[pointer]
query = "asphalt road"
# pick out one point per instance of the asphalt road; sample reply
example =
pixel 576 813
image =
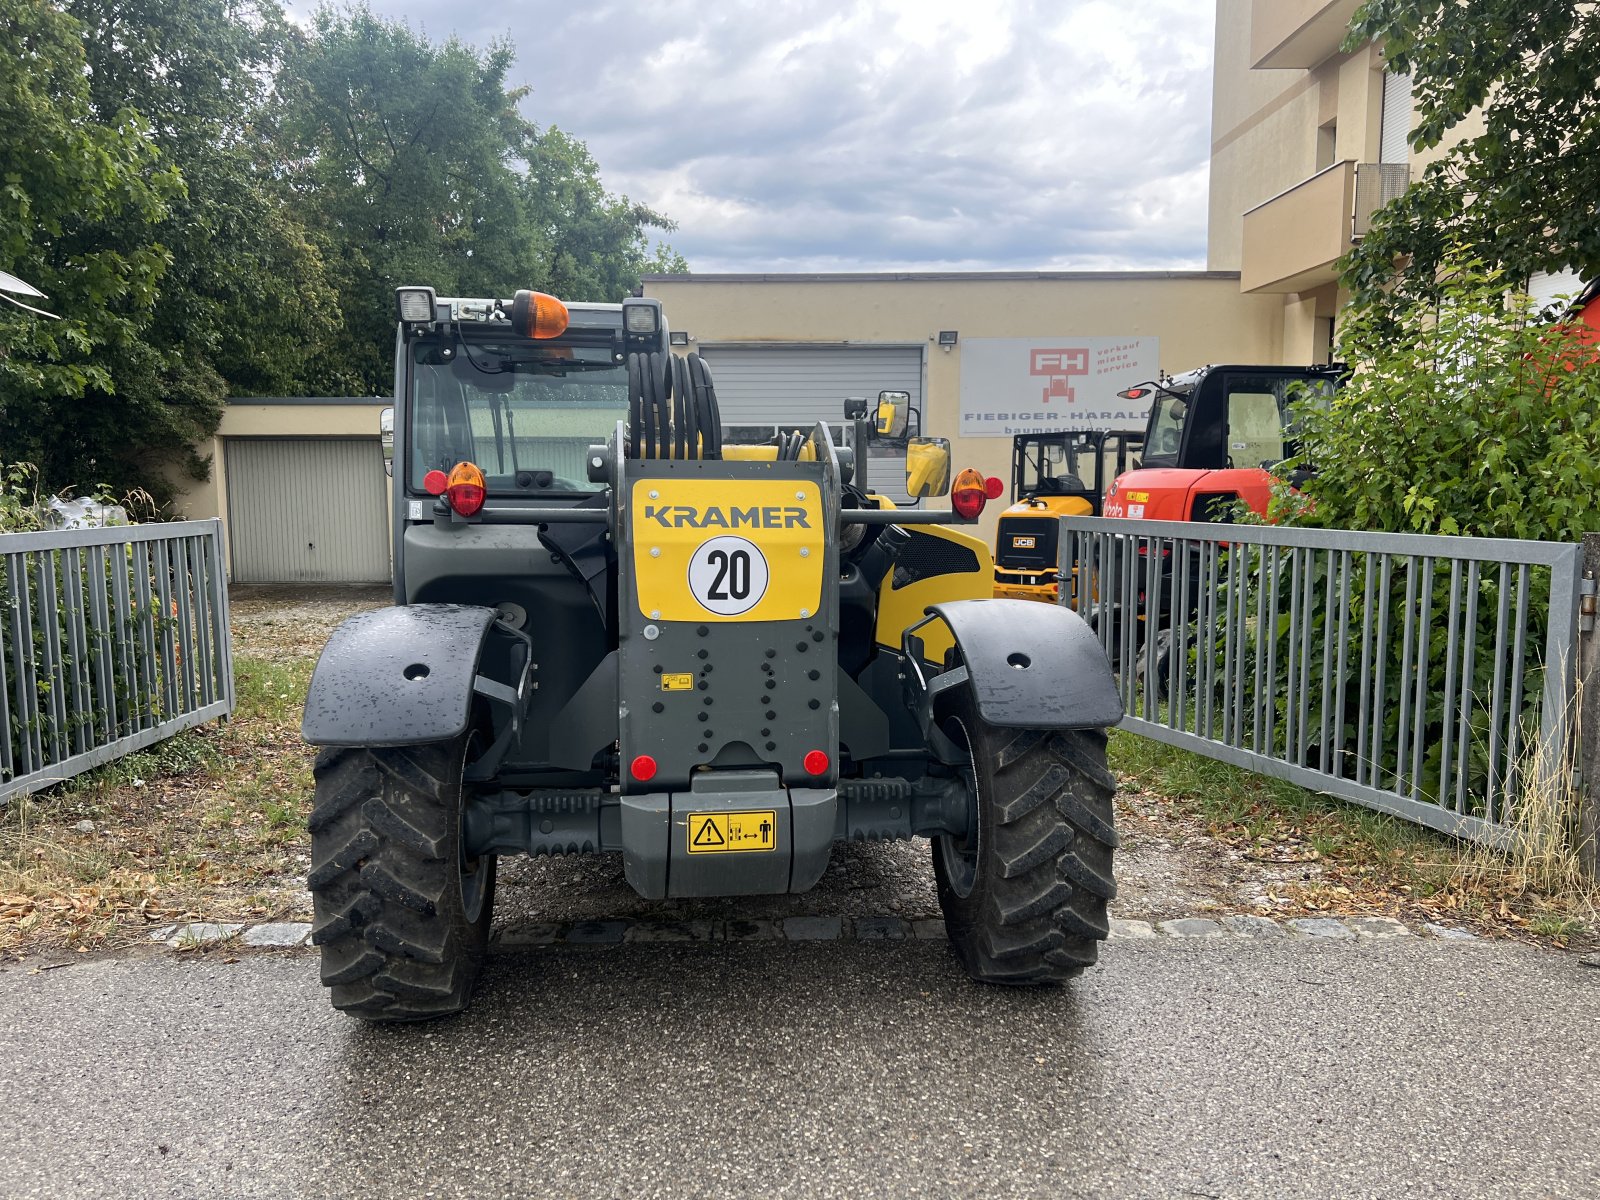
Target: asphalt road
pixel 1404 1067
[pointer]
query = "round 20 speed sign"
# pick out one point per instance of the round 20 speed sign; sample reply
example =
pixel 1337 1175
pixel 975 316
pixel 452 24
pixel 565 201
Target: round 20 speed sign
pixel 728 575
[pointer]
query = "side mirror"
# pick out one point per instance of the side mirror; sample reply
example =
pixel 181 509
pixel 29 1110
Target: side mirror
pixel 386 439
pixel 927 466
pixel 894 413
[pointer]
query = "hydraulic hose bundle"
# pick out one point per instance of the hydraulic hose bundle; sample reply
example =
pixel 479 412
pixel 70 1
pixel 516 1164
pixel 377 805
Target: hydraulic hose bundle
pixel 672 407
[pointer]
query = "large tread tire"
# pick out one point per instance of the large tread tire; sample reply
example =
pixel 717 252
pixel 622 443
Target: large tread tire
pixel 1027 904
pixel 390 914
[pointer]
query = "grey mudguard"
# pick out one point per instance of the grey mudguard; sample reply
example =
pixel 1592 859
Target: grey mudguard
pixel 1032 665
pixel 397 676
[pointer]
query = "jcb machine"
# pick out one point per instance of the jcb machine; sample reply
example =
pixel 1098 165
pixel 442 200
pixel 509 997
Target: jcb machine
pixel 611 636
pixel 1053 475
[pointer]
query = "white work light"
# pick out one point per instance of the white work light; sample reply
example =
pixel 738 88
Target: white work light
pixel 415 304
pixel 641 319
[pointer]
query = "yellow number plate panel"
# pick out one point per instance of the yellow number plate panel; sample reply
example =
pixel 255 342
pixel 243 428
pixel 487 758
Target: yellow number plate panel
pixel 733 832
pixel 727 549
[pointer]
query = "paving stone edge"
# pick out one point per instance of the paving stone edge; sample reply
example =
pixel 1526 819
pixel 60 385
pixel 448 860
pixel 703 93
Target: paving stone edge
pixel 1235 927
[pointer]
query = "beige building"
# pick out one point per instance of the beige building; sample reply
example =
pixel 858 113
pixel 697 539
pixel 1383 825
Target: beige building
pixel 790 348
pixel 300 487
pixel 1307 141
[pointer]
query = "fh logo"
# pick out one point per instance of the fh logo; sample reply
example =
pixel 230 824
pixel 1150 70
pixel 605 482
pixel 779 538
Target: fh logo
pixel 1058 367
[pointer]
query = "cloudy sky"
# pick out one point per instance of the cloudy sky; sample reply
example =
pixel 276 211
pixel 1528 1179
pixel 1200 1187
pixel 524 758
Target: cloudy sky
pixel 797 135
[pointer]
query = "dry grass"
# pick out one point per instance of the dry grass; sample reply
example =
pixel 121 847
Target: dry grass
pixel 1541 870
pixel 1330 857
pixel 207 825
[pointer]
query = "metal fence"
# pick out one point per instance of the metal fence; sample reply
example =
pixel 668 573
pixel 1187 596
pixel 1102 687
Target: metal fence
pixel 110 640
pixel 1411 673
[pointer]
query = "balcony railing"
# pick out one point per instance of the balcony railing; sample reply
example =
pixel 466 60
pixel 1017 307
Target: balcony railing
pixel 1298 33
pixel 1376 185
pixel 1293 241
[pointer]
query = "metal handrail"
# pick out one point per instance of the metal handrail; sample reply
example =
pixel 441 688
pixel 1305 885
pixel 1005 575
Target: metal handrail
pixel 111 639
pixel 1412 673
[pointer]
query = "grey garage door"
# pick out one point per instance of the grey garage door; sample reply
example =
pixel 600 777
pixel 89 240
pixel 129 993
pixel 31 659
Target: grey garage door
pixel 307 510
pixel 764 386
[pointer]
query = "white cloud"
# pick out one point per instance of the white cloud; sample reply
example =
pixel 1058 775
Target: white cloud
pixel 891 134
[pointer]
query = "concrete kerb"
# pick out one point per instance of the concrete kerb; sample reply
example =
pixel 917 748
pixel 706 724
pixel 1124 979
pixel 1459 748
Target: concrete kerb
pixel 279 935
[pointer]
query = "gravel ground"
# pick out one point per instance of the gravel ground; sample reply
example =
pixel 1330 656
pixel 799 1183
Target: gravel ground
pixel 1161 873
pixel 293 620
pixel 863 879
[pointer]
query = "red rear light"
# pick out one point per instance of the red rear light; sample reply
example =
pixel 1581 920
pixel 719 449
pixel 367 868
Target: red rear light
pixel 994 487
pixel 969 493
pixel 816 763
pixel 435 482
pixel 465 488
pixel 643 768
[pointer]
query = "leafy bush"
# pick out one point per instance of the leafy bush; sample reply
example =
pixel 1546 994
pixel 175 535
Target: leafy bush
pixel 21 511
pixel 1469 418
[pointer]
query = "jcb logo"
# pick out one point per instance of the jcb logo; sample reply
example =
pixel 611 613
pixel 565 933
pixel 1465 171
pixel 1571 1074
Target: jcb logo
pixel 683 516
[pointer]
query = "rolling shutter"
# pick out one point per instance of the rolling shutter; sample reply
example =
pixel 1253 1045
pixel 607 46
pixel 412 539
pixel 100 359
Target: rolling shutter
pixel 307 510
pixel 767 386
pixel 797 385
pixel 1396 126
pixel 1545 287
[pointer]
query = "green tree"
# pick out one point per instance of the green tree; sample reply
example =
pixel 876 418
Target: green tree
pixel 1523 192
pixel 245 302
pixel 233 299
pixel 1471 418
pixel 592 245
pixel 67 173
pixel 415 164
pixel 241 302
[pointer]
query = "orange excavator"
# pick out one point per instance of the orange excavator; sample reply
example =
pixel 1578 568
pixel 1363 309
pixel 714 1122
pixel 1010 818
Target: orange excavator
pixel 1215 436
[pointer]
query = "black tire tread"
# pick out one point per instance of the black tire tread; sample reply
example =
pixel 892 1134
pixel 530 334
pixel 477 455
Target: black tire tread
pixel 1038 910
pixel 384 883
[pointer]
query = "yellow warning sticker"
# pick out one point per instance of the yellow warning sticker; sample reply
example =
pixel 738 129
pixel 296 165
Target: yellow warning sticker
pixel 731 832
pixel 677 683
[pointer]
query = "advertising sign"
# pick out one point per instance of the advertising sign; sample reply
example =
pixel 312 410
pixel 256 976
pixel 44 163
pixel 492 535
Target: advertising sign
pixel 1040 385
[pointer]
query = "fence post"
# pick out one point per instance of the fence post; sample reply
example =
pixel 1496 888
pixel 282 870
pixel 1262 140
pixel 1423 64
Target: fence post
pixel 1588 831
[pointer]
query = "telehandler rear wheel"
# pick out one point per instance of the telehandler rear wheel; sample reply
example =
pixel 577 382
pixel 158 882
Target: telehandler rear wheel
pixel 401 916
pixel 1024 892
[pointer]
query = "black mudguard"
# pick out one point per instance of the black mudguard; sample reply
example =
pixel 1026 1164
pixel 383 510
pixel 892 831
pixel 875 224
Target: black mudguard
pixel 1032 665
pixel 397 677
